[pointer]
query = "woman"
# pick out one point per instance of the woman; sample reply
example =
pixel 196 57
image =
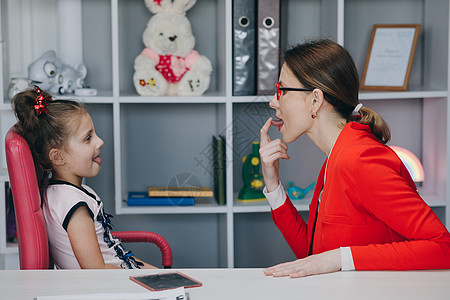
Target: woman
pixel 366 213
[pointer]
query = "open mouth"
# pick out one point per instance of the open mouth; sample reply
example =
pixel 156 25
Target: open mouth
pixel 278 123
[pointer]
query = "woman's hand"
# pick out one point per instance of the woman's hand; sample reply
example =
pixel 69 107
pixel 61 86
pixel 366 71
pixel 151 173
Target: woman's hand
pixel 325 262
pixel 270 153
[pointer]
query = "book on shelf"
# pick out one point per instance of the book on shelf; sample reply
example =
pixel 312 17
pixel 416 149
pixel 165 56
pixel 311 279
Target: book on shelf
pixel 142 199
pixel 180 191
pixel 219 169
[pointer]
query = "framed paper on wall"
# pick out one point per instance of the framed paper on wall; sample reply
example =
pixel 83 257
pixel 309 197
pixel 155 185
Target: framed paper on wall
pixel 390 57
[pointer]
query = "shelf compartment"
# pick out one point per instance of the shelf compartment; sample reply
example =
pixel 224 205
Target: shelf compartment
pixel 430 55
pixel 133 16
pixel 179 157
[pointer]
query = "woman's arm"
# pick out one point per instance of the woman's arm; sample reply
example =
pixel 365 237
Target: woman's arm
pixel 293 227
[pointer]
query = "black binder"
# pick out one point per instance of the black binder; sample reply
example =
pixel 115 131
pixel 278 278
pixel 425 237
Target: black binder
pixel 244 47
pixel 268 40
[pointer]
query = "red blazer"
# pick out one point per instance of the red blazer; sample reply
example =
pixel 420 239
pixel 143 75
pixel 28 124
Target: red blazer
pixel 370 203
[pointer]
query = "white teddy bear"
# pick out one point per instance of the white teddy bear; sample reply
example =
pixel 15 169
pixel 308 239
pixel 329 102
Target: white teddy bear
pixel 169 65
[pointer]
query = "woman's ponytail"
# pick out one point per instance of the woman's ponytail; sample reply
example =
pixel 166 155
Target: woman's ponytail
pixel 376 123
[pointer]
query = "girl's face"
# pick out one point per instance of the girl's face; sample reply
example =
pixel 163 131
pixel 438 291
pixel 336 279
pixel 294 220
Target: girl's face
pixel 82 152
pixel 293 108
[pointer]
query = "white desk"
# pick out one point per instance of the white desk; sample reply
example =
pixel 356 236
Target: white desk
pixel 235 284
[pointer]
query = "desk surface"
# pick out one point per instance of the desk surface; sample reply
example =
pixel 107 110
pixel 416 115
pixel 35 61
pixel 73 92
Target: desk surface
pixel 234 284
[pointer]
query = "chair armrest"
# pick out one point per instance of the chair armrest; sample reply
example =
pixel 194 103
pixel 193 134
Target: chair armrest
pixel 149 237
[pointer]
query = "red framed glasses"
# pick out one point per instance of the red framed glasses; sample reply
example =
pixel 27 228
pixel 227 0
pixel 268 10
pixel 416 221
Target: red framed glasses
pixel 279 89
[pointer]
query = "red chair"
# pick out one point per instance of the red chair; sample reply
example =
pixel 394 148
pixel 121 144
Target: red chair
pixel 31 229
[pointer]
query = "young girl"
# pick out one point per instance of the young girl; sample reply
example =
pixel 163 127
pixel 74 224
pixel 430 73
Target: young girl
pixel 64 143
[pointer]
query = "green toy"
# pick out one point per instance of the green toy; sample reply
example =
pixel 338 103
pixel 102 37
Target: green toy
pixel 253 183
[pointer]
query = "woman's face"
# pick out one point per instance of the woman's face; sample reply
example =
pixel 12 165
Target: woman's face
pixel 293 108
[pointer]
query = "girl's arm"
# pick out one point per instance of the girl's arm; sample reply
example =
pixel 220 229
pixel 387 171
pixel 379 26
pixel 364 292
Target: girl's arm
pixel 81 231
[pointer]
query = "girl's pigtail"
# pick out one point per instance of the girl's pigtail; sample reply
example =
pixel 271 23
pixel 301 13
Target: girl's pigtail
pixel 23 106
pixel 30 108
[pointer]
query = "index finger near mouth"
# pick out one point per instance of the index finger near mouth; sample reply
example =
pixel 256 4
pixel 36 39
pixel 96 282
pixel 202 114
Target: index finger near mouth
pixel 264 130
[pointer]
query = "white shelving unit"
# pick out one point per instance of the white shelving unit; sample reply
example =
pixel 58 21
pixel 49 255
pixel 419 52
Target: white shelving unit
pixel 150 141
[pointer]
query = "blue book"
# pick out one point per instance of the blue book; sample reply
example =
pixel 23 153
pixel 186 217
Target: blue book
pixel 142 199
